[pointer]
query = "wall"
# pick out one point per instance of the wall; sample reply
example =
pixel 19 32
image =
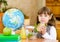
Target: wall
pixel 29 7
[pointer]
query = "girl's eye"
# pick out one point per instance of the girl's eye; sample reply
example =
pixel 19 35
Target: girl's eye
pixel 45 15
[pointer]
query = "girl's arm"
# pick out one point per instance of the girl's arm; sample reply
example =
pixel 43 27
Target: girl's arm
pixel 52 35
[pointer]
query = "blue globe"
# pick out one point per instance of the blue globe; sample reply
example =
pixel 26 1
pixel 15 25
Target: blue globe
pixel 13 18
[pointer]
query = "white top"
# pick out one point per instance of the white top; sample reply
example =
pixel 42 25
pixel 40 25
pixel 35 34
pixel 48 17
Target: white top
pixel 52 35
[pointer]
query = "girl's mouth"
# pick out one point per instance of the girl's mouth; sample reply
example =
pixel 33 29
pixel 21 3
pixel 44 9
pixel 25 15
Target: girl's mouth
pixel 43 20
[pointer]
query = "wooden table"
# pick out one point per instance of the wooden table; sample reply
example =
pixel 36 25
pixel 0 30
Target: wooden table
pixel 38 40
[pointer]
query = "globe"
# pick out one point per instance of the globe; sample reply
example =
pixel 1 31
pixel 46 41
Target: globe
pixel 13 18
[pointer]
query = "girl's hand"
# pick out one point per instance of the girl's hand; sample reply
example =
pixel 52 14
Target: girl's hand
pixel 39 29
pixel 42 29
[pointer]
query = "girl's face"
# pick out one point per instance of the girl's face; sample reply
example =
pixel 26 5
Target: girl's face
pixel 44 18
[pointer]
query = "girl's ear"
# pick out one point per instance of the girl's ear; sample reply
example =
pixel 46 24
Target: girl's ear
pixel 51 16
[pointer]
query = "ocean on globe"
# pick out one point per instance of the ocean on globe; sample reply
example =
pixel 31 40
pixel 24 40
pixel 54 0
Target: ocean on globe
pixel 13 18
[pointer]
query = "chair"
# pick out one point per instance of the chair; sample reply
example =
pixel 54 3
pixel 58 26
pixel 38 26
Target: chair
pixel 58 29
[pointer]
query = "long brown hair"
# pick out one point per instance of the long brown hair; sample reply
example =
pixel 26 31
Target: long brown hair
pixel 43 10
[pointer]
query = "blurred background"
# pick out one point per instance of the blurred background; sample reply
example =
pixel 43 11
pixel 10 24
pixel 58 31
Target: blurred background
pixel 30 9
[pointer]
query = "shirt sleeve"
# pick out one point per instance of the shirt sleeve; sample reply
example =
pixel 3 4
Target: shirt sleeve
pixel 52 34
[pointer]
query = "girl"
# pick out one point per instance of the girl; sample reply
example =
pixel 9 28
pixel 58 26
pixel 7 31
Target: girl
pixel 48 30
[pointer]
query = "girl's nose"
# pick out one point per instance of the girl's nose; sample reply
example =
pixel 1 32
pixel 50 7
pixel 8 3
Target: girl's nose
pixel 43 17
